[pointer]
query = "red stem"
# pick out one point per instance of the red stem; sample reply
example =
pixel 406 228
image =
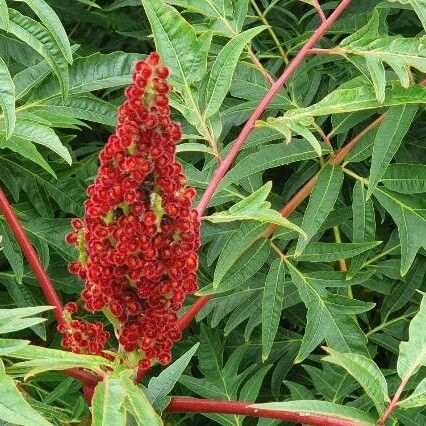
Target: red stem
pixel 288 209
pixel 392 405
pixel 42 277
pixel 319 10
pixel 245 132
pixel 197 405
pixel 31 255
pixel 191 313
pixel 274 89
pixel 86 378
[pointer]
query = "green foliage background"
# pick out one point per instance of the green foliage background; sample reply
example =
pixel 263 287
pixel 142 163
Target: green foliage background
pixel 277 299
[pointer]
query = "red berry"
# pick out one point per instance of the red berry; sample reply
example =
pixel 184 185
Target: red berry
pixel 153 59
pixel 71 238
pixel 77 224
pixel 164 358
pixel 144 364
pixel 138 251
pixel 71 307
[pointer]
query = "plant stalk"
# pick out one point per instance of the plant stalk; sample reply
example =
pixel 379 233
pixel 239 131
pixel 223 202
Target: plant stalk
pixel 274 89
pixel 289 208
pixel 197 405
pixel 42 277
pixel 319 10
pixel 393 404
pixel 245 132
pixel 32 257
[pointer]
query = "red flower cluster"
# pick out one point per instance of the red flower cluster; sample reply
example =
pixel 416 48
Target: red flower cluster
pixel 82 336
pixel 139 237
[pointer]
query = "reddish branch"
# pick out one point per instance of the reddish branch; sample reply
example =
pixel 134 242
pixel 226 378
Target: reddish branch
pixel 196 405
pixel 192 312
pixel 86 378
pixel 248 128
pixel 393 404
pixel 275 88
pixel 41 275
pixel 289 208
pixel 31 255
pixel 319 10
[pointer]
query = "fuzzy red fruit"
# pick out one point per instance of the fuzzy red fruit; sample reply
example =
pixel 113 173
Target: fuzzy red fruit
pixel 139 236
pixel 71 307
pixel 71 238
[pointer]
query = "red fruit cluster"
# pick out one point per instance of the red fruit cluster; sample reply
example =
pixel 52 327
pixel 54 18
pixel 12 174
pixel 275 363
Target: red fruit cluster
pixel 81 336
pixel 139 237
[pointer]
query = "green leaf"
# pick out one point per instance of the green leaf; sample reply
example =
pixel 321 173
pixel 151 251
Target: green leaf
pixel 223 68
pixel 255 207
pixel 94 72
pixel 310 409
pixel 60 390
pixel 193 147
pixel 138 405
pixel 245 267
pixel 321 202
pixel 7 97
pixel 358 95
pixel 339 304
pixel 108 403
pixel 405 178
pixel 8 346
pixel 417 398
pixel 268 157
pixel 388 139
pixel 327 319
pixel 52 232
pixel 412 354
pixel 83 107
pixel 7 314
pixel 219 381
pixel 238 242
pixel 14 409
pixel 175 39
pixel 159 387
pixel 366 372
pixel 272 301
pixel 4 15
pixel 29 78
pixel 67 192
pixel 117 4
pixel 221 11
pixel 245 311
pixel 51 21
pixel 409 214
pixel 42 135
pixel 250 84
pixel 22 298
pixel 42 359
pixel 374 49
pixel 15 319
pixel 404 291
pixel 250 391
pixel 12 251
pixel 287 127
pixel 364 225
pixel 27 149
pixel 39 38
pixel 330 252
pixel 419 7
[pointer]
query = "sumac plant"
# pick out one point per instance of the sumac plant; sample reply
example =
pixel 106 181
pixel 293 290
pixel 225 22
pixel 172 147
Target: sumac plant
pixel 213 212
